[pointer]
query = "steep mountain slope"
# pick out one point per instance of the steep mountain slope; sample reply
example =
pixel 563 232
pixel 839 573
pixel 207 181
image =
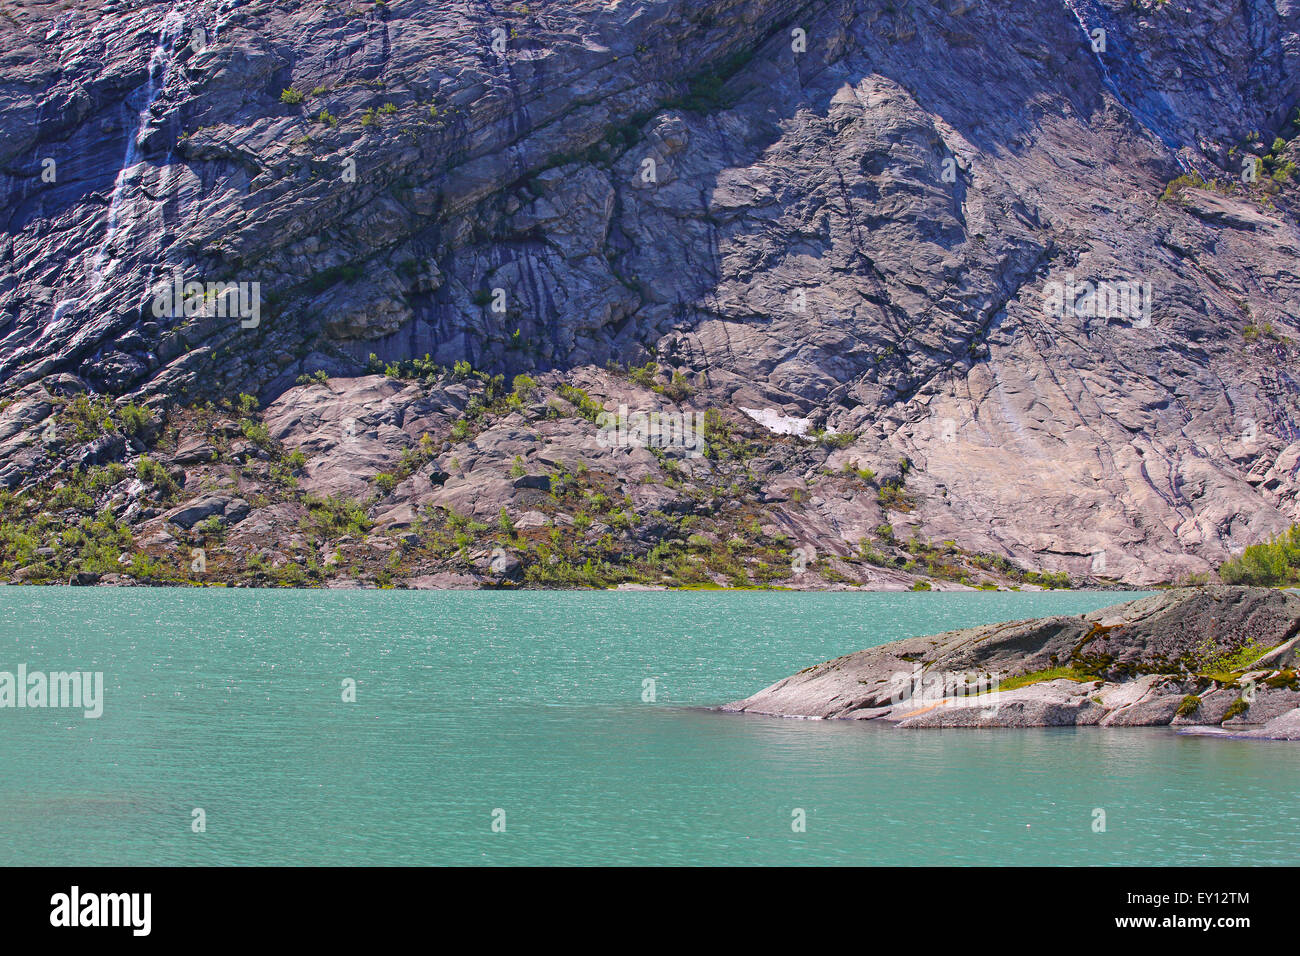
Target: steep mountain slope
pixel 827 215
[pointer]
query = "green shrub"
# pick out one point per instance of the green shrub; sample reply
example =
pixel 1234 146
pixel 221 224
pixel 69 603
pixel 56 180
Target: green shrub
pixel 834 439
pixel 678 389
pixel 333 517
pixel 132 418
pixel 256 432
pixel 292 96
pixel 1235 709
pixel 1271 563
pixel 579 399
pixel 1052 580
pixel 524 386
pixel 90 418
pixel 154 474
pixel 643 375
pixel 211 525
pixel 892 497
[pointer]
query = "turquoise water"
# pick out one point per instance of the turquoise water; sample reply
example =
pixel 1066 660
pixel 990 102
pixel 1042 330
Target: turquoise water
pixel 531 703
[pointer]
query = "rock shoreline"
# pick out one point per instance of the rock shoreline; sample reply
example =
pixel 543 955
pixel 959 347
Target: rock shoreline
pixel 1213 660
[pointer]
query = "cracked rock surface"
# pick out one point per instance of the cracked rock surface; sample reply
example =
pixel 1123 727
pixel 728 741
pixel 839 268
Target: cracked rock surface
pixel 853 226
pixel 1216 659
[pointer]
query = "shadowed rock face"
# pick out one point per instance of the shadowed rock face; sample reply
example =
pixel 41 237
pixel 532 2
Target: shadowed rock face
pixel 1199 657
pixel 860 233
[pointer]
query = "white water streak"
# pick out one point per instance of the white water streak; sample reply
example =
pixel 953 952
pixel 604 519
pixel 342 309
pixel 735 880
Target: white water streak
pixel 160 63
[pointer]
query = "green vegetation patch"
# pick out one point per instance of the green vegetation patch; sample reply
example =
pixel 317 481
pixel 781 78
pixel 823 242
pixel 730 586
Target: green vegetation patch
pixel 1051 673
pixel 1271 563
pixel 1236 709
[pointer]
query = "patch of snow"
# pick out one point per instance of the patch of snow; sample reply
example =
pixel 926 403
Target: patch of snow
pixel 777 423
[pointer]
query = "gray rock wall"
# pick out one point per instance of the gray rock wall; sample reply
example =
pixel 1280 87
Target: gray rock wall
pixel 798 248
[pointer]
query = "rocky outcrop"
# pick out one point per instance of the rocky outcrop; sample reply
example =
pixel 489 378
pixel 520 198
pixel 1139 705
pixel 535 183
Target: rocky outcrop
pixel 447 478
pixel 1211 660
pixel 838 213
pixel 221 507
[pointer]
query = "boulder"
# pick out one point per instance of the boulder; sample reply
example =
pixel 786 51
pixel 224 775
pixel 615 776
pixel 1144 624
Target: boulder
pixel 227 507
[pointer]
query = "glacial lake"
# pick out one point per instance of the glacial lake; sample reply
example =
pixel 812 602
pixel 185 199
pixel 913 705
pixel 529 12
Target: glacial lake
pixel 528 708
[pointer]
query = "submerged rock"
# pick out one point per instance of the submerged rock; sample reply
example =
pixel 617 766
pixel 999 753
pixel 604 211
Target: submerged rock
pixel 1218 657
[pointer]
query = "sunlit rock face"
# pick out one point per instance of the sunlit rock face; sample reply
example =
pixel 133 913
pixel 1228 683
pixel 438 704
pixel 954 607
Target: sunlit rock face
pixel 944 229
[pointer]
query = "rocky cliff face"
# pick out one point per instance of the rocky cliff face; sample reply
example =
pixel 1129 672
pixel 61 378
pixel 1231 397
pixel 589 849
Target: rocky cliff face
pixel 979 271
